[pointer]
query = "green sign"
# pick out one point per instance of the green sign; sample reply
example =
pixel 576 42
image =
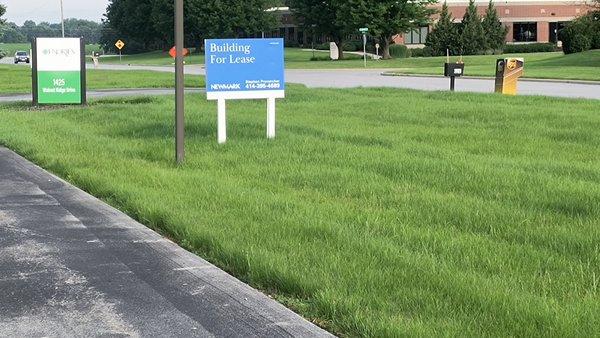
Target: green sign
pixel 59 72
pixel 363 30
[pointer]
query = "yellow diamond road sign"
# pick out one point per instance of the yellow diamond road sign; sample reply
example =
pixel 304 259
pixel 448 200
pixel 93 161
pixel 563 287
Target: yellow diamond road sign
pixel 120 44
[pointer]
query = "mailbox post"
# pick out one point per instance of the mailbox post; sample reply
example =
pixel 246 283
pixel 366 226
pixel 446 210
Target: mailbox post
pixel 508 72
pixel 453 70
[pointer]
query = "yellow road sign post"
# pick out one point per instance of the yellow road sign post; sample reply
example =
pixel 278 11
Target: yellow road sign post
pixel 508 72
pixel 120 44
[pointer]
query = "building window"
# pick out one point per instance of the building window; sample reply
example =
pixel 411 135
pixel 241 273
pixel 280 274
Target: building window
pixel 416 36
pixel 524 31
pixel 555 27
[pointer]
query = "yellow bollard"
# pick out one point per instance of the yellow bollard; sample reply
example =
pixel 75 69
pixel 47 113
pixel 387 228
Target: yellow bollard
pixel 508 72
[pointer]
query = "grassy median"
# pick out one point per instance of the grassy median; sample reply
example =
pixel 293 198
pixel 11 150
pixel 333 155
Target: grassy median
pixel 17 79
pixel 375 212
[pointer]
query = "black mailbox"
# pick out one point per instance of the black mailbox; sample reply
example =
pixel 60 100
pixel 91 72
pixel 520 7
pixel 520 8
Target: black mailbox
pixel 454 69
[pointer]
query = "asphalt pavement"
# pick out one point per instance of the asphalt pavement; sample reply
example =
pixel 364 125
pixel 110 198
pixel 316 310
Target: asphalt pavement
pixel 370 78
pixel 72 266
pixel 354 78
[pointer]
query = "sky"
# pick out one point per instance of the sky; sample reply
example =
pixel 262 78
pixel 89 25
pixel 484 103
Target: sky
pixel 49 10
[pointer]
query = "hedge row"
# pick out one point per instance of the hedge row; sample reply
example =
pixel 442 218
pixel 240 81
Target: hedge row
pixel 530 48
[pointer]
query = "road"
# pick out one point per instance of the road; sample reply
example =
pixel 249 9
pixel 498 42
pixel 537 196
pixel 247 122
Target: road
pixel 352 78
pixel 72 266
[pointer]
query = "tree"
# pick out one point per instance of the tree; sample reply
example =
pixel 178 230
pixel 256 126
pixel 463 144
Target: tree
pixel 13 34
pixel 328 18
pixel 494 31
pixel 445 35
pixel 2 11
pixel 148 24
pixel 130 20
pixel 472 39
pixel 581 34
pixel 391 17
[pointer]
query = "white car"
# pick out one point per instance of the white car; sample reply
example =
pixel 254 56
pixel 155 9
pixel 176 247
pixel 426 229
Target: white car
pixel 21 56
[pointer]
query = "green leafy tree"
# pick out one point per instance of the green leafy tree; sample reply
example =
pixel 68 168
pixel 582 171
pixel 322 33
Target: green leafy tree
pixel 204 19
pixel 444 35
pixel 472 38
pixel 13 34
pixel 581 34
pixel 391 17
pixel 2 11
pixel 131 21
pixel 149 24
pixel 494 31
pixel 328 18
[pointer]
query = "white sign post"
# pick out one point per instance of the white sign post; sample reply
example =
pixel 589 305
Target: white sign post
pixel 334 52
pixel 244 69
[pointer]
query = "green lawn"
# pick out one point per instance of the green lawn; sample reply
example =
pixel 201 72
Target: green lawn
pixel 375 212
pixel 580 66
pixel 17 79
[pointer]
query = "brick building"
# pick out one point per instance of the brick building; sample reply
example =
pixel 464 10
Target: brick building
pixel 527 20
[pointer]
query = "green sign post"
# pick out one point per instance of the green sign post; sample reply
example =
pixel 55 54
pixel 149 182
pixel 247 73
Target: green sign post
pixel 58 71
pixel 364 32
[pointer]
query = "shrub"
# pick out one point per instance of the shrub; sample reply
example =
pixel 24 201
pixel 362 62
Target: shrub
pixel 596 38
pixel 292 44
pixel 2 54
pixel 530 48
pixel 416 52
pixel 579 43
pixel 353 46
pixel 581 34
pixel 322 46
pixel 421 52
pixel 327 58
pixel 399 51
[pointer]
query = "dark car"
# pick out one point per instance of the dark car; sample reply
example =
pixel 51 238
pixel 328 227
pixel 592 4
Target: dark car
pixel 21 56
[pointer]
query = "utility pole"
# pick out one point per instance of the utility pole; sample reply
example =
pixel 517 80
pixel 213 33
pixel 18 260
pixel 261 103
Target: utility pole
pixel 179 85
pixel 62 18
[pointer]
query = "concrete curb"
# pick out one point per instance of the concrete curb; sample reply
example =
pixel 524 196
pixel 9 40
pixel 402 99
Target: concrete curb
pixel 585 82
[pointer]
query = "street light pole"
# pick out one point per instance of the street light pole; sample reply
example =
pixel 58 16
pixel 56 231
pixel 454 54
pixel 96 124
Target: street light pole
pixel 179 83
pixel 62 18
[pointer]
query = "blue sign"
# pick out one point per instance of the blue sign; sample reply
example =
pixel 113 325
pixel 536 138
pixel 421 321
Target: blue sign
pixel 244 68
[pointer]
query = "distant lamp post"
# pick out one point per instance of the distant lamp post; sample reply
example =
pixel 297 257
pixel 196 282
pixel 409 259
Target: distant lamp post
pixel 62 18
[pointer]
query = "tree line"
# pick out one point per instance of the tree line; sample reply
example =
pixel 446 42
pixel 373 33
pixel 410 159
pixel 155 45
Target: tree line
pixel 13 33
pixel 341 19
pixel 147 25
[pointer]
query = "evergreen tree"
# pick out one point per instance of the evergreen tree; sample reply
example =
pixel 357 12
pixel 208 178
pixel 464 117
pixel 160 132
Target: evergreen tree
pixel 444 35
pixel 472 38
pixel 2 11
pixel 495 32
